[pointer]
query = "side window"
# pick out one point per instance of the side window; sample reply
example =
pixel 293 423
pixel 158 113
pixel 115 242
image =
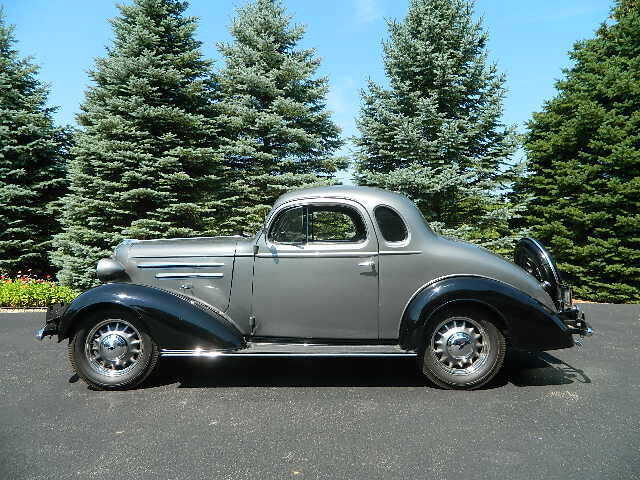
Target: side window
pixel 335 223
pixel 289 227
pixel 391 225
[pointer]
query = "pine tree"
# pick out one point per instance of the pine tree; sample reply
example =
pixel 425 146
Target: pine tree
pixel 279 134
pixel 436 134
pixel 32 163
pixel 145 162
pixel 584 160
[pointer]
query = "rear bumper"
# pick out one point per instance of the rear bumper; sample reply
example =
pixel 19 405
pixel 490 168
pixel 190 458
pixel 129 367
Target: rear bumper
pixel 52 321
pixel 576 322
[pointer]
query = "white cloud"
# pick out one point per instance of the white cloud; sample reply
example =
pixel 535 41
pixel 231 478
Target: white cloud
pixel 368 11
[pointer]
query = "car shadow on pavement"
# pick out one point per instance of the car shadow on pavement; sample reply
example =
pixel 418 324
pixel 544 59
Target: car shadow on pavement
pixel 521 369
pixel 535 369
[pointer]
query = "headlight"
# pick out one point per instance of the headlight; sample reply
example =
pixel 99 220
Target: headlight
pixel 109 269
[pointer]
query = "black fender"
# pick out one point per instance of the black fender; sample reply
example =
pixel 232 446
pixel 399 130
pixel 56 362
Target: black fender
pixel 173 321
pixel 529 324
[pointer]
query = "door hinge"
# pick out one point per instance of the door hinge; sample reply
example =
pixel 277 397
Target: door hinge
pixel 252 324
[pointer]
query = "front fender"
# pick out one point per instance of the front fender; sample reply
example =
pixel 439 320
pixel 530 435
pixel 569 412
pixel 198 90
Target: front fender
pixel 530 325
pixel 173 321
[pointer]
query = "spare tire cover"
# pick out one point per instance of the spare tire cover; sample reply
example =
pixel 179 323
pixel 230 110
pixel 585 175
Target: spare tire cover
pixel 535 259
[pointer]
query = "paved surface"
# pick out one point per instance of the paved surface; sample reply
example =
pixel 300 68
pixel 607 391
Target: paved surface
pixel 568 414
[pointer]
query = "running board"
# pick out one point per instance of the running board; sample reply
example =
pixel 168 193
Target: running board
pixel 262 350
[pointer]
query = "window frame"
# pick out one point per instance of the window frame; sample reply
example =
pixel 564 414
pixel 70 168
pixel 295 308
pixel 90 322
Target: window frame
pixel 306 207
pixel 279 215
pixel 335 242
pixel 396 243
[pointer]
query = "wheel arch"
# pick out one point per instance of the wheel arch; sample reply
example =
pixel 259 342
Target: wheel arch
pixel 173 321
pixel 73 321
pixel 528 324
pixel 473 303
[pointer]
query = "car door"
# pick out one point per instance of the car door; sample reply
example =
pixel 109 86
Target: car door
pixel 316 273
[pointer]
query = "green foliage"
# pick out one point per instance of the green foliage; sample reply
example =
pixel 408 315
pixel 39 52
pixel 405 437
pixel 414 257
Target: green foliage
pixel 145 164
pixel 32 162
pixel 435 134
pixel 584 159
pixel 278 134
pixel 30 292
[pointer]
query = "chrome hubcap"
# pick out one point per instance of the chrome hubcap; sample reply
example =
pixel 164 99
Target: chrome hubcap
pixel 460 346
pixel 113 347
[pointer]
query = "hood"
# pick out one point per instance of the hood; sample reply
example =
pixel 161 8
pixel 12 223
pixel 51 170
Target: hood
pixel 177 248
pixel 142 260
pixel 201 268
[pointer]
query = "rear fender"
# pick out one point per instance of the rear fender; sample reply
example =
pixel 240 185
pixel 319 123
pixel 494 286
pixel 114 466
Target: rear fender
pixel 529 324
pixel 173 321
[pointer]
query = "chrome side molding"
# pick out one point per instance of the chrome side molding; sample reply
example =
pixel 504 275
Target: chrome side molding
pixel 275 350
pixel 400 252
pixel 325 254
pixel 180 265
pixel 189 275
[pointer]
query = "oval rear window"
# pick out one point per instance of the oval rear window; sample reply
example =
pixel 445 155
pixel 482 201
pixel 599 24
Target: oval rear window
pixel 391 225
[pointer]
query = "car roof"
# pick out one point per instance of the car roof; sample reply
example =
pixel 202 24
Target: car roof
pixel 368 196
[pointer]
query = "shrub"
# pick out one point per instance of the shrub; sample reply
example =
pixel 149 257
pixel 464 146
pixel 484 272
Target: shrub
pixel 26 291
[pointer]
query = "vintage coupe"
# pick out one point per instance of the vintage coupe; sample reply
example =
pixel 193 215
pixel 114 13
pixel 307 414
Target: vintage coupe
pixel 336 271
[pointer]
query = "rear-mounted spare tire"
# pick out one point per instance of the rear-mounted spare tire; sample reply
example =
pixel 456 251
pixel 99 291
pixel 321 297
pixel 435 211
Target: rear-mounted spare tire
pixel 535 259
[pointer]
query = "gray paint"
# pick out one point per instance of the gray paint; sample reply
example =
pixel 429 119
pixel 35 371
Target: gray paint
pixel 318 290
pixel 197 267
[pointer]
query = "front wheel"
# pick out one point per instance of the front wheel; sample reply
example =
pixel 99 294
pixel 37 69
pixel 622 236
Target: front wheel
pixel 112 350
pixel 464 349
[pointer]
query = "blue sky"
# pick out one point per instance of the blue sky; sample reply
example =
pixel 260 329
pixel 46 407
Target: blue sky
pixel 529 39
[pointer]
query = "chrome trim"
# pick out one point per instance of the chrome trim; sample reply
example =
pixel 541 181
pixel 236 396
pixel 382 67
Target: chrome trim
pixel 113 347
pixel 180 265
pixel 318 254
pixel 460 346
pixel 189 275
pixel 222 254
pixel 360 209
pixel 400 252
pixel 246 354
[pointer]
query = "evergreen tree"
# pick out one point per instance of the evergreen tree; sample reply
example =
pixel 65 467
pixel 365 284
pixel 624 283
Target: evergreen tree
pixel 278 132
pixel 435 134
pixel 584 160
pixel 145 162
pixel 32 163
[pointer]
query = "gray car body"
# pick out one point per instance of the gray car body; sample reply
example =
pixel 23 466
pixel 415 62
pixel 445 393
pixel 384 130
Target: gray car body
pixel 346 291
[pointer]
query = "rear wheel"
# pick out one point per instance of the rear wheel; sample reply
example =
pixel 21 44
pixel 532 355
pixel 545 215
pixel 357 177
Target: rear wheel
pixel 464 349
pixel 112 350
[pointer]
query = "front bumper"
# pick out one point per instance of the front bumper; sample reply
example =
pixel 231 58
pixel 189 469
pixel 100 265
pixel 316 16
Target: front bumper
pixel 576 321
pixel 52 320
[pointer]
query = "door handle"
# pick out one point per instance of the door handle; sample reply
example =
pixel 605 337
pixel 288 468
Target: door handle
pixel 368 263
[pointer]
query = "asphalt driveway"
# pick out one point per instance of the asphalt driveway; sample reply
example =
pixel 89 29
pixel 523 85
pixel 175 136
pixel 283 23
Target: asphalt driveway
pixel 566 414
